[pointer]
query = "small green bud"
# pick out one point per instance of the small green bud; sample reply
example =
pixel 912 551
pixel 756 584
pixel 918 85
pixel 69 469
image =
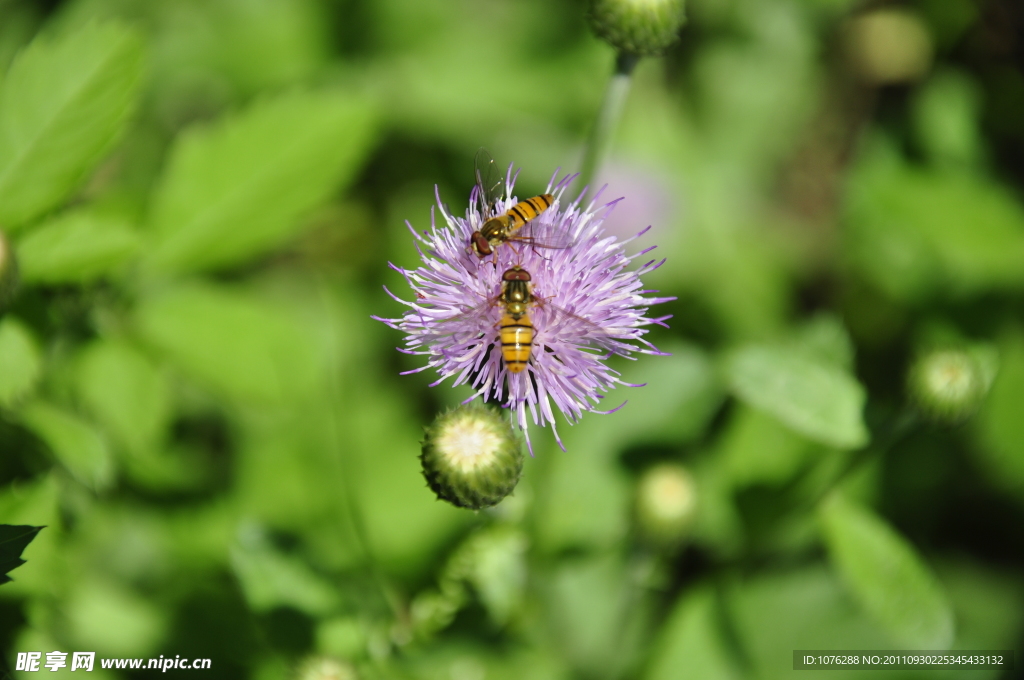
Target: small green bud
pixel 641 27
pixel 888 46
pixel 8 271
pixel 325 668
pixel 471 458
pixel 666 503
pixel 947 385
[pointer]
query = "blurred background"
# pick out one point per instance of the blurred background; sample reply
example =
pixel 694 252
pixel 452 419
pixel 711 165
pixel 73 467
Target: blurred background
pixel 203 196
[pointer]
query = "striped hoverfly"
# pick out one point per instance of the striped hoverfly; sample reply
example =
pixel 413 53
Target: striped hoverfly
pixel 516 330
pixel 515 224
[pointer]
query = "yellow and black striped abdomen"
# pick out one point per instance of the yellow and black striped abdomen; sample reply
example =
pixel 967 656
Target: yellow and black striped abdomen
pixel 524 211
pixel 516 341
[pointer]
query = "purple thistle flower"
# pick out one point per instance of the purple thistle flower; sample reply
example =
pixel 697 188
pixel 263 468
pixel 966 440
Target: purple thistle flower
pixel 588 305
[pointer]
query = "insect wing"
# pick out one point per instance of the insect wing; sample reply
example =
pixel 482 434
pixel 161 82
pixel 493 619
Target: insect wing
pixel 543 235
pixel 489 182
pixel 582 331
pixel 468 324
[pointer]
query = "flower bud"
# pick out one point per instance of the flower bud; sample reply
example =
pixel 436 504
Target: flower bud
pixel 640 27
pixel 947 385
pixel 8 271
pixel 666 503
pixel 325 668
pixel 471 458
pixel 888 46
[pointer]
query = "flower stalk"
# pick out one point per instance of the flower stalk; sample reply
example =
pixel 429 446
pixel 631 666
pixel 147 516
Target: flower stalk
pixel 608 117
pixel 635 28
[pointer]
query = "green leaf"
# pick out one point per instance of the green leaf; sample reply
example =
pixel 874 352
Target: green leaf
pixel 20 361
pixel 906 230
pixel 76 444
pixel 945 112
pixel 37 502
pixel 886 575
pixel 179 468
pixel 126 393
pixel 296 470
pixel 999 427
pixel 497 570
pixel 13 540
pixel 691 643
pixel 342 636
pixel 825 337
pixel 775 611
pixel 75 248
pixel 816 398
pixel 270 578
pixel 405 524
pixel 239 188
pixel 718 526
pixel 680 394
pixel 235 343
pixel 756 448
pixel 585 493
pixel 585 502
pixel 589 610
pixel 254 46
pixel 62 106
pixel 986 604
pixel 463 658
pixel 112 619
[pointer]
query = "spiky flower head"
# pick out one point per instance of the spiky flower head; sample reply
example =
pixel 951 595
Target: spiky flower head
pixel 641 27
pixel 586 304
pixel 471 458
pixel 948 385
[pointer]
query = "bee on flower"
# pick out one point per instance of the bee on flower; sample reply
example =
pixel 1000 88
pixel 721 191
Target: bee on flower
pixel 531 325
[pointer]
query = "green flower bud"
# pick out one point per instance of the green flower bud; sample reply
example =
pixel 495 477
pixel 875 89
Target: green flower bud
pixel 640 27
pixel 947 385
pixel 888 46
pixel 666 504
pixel 471 458
pixel 325 668
pixel 8 271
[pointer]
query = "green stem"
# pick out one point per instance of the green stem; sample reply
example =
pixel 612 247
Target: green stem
pixel 608 117
pixel 348 510
pixel 903 425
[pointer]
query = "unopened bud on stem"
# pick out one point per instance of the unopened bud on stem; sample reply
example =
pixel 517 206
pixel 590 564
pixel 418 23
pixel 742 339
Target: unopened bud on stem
pixel 641 27
pixel 325 668
pixel 947 385
pixel 666 503
pixel 471 458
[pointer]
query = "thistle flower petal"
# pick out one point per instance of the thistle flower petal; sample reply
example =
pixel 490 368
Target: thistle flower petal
pixel 588 304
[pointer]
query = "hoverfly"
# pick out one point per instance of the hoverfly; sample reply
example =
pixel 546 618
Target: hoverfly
pixel 516 329
pixel 515 224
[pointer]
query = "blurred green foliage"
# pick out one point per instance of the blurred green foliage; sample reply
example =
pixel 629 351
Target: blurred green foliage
pixel 203 196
